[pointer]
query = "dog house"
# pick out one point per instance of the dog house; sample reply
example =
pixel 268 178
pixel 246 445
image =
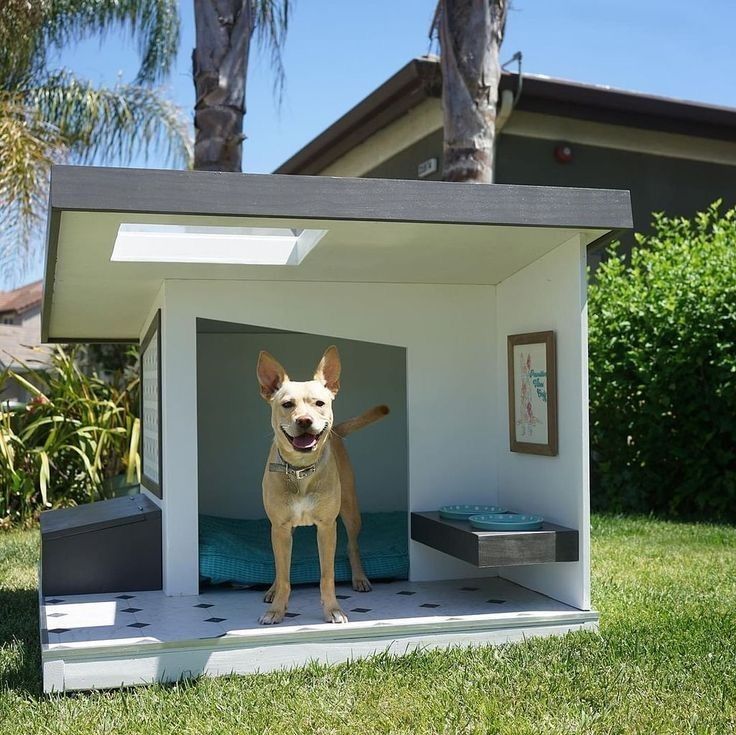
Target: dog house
pixel 428 290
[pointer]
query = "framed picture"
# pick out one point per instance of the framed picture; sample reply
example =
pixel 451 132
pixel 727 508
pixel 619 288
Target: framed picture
pixel 151 464
pixel 532 393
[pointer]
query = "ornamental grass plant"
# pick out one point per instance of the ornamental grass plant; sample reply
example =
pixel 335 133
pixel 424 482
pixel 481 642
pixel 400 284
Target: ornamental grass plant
pixel 70 441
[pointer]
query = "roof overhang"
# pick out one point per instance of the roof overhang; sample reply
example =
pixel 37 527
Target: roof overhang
pixel 376 230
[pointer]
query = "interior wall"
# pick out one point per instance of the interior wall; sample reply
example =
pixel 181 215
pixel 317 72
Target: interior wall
pixel 550 294
pixel 234 429
pixel 449 333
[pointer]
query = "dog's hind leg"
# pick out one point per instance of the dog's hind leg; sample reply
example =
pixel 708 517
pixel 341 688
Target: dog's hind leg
pixel 352 526
pixel 350 514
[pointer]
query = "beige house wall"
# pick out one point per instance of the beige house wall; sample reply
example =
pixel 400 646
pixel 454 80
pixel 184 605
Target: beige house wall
pixel 426 118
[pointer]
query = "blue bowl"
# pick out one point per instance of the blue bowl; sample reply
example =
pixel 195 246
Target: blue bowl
pixel 463 512
pixel 506 522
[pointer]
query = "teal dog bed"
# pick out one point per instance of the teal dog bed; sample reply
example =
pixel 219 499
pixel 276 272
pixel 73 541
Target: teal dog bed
pixel 239 551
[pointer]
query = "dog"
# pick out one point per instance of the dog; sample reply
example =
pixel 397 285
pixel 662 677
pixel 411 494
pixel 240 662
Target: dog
pixel 308 479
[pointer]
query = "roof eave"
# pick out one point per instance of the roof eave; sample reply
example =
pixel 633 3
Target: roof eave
pixel 421 79
pixel 412 84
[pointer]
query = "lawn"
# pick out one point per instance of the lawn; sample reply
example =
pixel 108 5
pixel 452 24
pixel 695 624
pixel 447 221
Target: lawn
pixel 665 662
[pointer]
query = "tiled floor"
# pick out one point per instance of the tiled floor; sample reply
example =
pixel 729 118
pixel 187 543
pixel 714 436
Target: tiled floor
pixel 150 617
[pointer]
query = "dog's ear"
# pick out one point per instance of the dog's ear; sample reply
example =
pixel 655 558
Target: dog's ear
pixel 271 375
pixel 328 370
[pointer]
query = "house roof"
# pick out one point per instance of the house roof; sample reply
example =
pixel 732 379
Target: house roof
pixel 19 348
pixel 421 79
pixel 23 298
pixel 380 231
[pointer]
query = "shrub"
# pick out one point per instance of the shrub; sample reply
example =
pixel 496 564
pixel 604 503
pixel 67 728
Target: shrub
pixel 663 371
pixel 65 446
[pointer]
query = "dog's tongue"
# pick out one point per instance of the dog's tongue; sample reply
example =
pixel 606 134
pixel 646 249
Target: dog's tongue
pixel 305 441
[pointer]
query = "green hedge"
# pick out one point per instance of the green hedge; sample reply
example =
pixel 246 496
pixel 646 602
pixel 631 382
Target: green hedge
pixel 663 371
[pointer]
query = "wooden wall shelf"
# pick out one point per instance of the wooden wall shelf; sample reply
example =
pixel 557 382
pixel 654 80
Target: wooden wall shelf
pixel 495 548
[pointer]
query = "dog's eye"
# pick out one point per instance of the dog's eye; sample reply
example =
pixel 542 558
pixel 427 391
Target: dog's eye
pixel 320 403
pixel 288 404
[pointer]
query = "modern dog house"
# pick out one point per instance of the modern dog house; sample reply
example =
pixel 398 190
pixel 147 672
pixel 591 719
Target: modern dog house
pixel 462 307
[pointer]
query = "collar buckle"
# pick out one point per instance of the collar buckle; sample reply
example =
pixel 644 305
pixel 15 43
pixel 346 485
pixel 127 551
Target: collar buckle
pixel 298 473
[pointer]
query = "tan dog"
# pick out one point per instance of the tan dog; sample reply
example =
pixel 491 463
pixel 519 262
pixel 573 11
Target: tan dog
pixel 309 479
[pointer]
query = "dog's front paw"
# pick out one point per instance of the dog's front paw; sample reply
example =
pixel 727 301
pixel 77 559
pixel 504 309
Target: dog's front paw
pixel 272 616
pixel 335 615
pixel 361 584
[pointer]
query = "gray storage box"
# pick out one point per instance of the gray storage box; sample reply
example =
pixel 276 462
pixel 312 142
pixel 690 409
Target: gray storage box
pixel 108 546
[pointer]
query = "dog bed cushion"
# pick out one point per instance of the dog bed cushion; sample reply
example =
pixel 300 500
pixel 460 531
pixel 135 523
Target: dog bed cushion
pixel 239 551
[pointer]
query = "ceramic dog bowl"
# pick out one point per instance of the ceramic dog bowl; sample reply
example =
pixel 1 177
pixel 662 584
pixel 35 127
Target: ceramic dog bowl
pixel 506 522
pixel 463 512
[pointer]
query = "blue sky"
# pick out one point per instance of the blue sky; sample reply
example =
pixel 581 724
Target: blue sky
pixel 338 51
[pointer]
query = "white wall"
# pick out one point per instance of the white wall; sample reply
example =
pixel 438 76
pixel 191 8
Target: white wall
pixel 450 340
pixel 180 525
pixel 456 396
pixel 234 421
pixel 550 294
pixel 178 448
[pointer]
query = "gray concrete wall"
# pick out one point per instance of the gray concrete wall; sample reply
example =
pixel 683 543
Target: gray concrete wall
pixel 234 431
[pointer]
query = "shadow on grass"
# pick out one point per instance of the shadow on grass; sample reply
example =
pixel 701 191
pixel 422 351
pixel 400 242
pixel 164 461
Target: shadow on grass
pixel 20 650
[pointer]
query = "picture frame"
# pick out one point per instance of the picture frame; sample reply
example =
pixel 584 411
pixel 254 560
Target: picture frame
pixel 151 434
pixel 532 388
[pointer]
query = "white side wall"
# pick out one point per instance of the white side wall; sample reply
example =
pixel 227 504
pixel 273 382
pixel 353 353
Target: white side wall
pixel 157 304
pixel 449 335
pixel 234 421
pixel 179 429
pixel 178 448
pixel 550 294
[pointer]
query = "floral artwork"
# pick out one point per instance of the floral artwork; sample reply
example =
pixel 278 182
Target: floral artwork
pixel 531 381
pixel 531 417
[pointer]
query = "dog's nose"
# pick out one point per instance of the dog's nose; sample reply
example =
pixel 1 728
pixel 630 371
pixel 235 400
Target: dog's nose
pixel 304 421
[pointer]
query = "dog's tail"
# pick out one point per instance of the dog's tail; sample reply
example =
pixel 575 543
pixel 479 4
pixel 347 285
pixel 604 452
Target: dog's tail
pixel 358 422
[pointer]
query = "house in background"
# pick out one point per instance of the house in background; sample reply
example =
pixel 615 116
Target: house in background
pixel 22 306
pixel 674 156
pixel 20 337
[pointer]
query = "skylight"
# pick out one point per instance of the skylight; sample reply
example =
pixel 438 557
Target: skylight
pixel 138 243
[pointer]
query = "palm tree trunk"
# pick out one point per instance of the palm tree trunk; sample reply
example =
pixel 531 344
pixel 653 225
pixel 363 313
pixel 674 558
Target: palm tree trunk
pixel 220 62
pixel 471 33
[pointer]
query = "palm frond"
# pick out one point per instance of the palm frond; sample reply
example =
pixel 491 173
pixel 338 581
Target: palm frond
pixel 64 117
pixel 153 23
pixel 20 24
pixel 28 148
pixel 271 22
pixel 99 123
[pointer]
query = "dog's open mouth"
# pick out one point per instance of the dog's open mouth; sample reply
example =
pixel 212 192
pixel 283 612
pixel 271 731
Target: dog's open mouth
pixel 304 442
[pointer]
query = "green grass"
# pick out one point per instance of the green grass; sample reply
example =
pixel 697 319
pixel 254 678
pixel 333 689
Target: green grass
pixel 665 662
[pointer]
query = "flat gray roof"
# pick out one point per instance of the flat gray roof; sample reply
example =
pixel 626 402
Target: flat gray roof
pixel 439 232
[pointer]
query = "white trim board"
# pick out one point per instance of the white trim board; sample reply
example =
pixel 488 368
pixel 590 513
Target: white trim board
pixel 620 137
pixel 125 669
